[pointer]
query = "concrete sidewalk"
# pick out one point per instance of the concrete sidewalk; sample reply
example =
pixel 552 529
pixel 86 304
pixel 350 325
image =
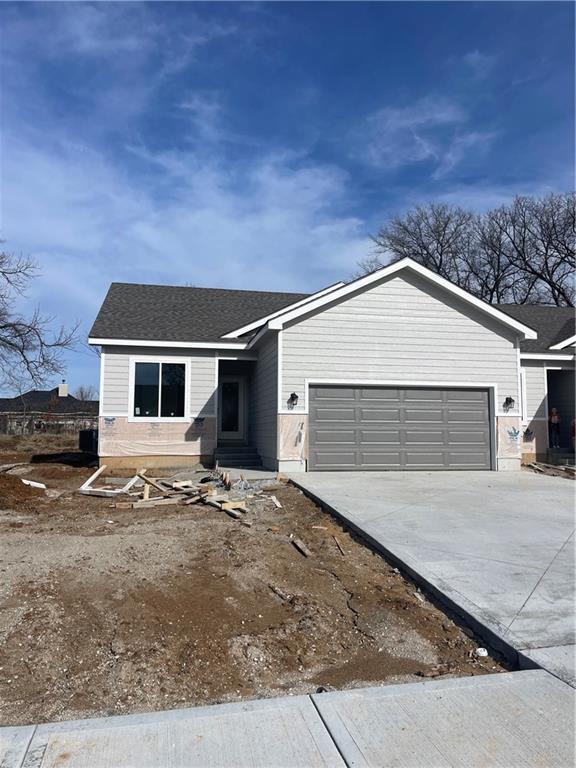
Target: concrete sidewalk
pixel 509 719
pixel 496 546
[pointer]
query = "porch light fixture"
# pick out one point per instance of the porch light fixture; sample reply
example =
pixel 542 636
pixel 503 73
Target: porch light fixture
pixel 509 403
pixel 293 400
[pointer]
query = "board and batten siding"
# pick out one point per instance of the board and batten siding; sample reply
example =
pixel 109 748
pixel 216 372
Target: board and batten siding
pixel 264 400
pixel 401 330
pixel 116 377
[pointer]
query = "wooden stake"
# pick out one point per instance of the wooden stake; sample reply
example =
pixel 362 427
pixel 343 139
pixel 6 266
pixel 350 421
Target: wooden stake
pixel 338 545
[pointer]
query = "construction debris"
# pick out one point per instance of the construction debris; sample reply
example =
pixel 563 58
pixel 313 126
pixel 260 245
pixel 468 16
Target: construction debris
pixel 300 546
pixel 214 489
pixel 338 545
pixel 33 484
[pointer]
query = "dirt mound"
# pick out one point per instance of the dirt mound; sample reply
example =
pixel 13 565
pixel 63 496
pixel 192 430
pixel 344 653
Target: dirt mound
pixel 14 491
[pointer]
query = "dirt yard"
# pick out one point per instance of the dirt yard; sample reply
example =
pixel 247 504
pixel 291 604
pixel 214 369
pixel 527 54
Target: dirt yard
pixel 108 611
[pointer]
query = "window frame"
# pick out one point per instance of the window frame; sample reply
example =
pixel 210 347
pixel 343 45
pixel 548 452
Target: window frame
pixel 132 377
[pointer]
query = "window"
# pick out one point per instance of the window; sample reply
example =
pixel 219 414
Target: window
pixel 159 390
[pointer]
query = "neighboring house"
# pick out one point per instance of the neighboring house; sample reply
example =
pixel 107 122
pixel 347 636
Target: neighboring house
pixel 50 409
pixel 399 369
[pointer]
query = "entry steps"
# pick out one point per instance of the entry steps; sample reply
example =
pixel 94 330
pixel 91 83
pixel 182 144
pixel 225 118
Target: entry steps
pixel 241 456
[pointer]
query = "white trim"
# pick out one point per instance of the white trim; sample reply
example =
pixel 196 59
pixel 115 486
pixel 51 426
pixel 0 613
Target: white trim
pixel 563 344
pixel 133 359
pixel 523 400
pixel 101 393
pixel 364 282
pixel 112 415
pixel 544 356
pixel 167 344
pixel 263 320
pixel 280 370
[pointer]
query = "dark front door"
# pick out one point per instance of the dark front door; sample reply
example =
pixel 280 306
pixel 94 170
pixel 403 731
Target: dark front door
pixel 232 408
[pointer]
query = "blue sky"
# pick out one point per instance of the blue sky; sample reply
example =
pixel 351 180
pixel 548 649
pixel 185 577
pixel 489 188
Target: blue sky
pixel 258 145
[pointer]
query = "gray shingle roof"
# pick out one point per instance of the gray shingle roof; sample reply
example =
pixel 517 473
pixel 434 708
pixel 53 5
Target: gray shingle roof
pixel 176 313
pixel 47 401
pixel 179 313
pixel 553 324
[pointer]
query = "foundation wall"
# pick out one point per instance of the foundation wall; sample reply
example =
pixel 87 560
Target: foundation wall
pixel 128 442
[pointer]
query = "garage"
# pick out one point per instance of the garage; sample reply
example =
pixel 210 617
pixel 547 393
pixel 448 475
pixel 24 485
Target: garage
pixel 399 428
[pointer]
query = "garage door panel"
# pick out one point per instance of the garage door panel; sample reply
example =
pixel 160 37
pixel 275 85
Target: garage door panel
pixel 333 393
pixel 379 395
pixel 381 459
pixel 467 396
pixel 335 415
pixel 334 460
pixel 394 428
pixel 333 436
pixel 423 415
pixel 390 437
pixel 378 414
pixel 417 436
pixel 427 395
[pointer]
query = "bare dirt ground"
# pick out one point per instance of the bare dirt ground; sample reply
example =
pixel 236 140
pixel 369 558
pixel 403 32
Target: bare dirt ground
pixel 108 611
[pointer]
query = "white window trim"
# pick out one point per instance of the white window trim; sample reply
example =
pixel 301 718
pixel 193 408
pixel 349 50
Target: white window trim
pixel 523 401
pixel 158 419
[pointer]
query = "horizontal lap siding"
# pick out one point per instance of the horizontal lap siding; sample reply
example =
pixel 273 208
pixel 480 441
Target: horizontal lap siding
pixel 116 378
pixel 400 330
pixel 264 399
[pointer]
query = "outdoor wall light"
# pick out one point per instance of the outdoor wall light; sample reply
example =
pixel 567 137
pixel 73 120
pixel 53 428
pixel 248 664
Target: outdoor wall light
pixel 293 400
pixel 508 403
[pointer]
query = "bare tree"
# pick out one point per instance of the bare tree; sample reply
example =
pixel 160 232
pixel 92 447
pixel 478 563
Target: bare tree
pixel 85 393
pixel 30 352
pixel 523 252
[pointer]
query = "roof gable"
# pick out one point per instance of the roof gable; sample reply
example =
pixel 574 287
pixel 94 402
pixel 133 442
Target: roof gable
pixel 364 283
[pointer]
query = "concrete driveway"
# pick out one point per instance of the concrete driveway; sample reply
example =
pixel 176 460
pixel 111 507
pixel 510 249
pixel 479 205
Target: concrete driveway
pixel 499 545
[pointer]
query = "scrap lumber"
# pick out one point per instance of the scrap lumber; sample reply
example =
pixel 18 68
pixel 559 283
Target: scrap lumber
pixel 301 547
pixel 152 482
pixel 193 499
pixel 8 467
pixel 133 481
pixel 233 513
pixel 276 502
pixel 93 477
pixel 33 483
pixel 338 545
pixel 146 492
pixel 239 505
pixel 157 502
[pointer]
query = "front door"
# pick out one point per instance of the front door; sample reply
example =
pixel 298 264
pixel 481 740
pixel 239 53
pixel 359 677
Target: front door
pixel 232 408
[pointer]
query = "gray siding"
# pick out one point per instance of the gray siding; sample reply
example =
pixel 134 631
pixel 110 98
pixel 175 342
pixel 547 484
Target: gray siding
pixel 115 389
pixel 535 386
pixel 400 330
pixel 264 400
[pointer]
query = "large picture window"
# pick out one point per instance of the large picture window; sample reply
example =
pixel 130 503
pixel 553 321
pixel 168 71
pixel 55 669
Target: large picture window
pixel 159 390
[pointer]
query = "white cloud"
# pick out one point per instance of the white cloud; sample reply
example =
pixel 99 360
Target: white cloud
pixel 461 147
pixel 396 136
pixel 478 63
pixel 270 226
